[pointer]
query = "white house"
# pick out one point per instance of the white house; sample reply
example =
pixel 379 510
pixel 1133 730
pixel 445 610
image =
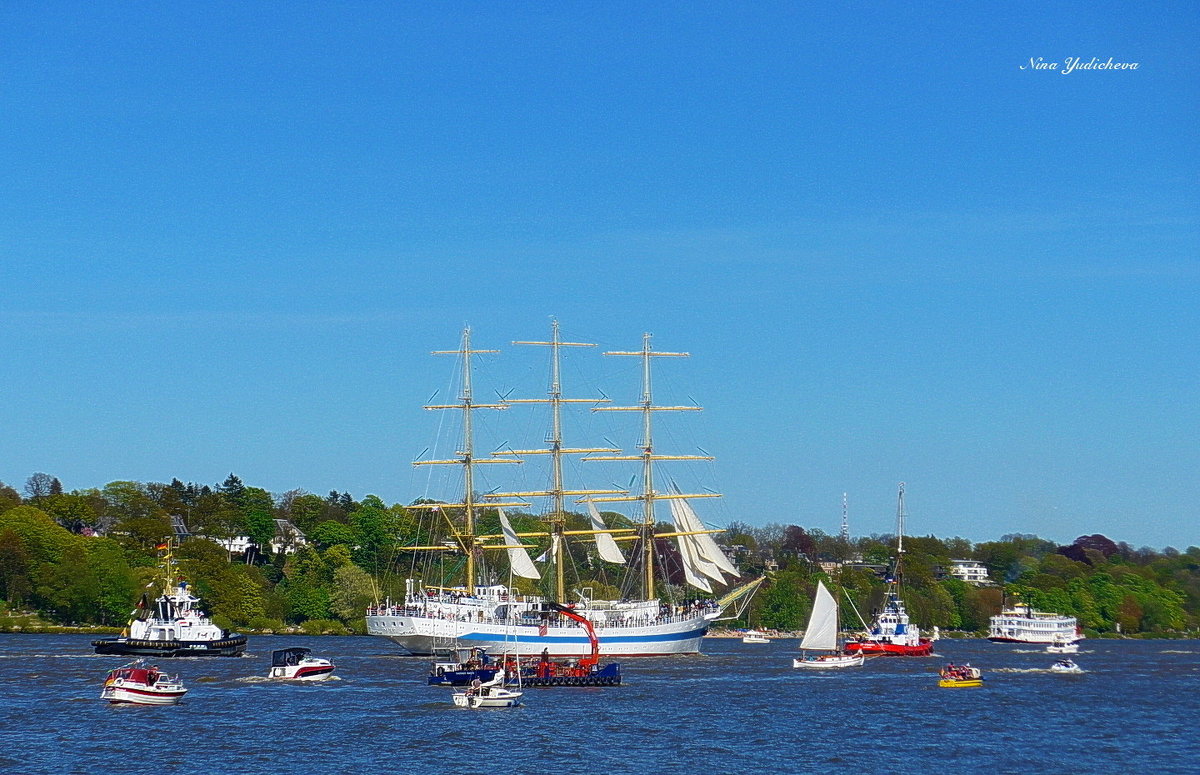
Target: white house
pixel 969 571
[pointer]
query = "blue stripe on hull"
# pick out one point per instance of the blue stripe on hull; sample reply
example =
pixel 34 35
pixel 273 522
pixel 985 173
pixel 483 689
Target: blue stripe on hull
pixel 607 639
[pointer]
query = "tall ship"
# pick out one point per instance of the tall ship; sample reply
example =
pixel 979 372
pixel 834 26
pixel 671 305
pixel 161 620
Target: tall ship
pixel 173 625
pixel 482 612
pixel 1022 624
pixel 891 633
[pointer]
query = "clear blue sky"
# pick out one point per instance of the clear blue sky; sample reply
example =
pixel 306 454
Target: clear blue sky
pixel 229 237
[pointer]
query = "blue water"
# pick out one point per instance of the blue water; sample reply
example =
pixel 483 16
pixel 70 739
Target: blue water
pixel 737 709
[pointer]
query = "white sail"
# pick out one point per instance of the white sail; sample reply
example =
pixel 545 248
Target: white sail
pixel 606 547
pixel 706 547
pixel 695 568
pixel 822 630
pixel 518 558
pixel 690 574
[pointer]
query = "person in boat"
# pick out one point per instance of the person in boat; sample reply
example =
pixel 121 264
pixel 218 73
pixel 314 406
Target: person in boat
pixel 152 675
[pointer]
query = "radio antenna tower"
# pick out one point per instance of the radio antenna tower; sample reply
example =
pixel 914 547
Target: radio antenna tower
pixel 845 520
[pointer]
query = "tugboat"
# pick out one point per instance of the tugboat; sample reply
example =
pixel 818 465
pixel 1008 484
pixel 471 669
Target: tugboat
pixel 891 634
pixel 174 628
pixel 139 684
pixel 295 664
pixel 960 677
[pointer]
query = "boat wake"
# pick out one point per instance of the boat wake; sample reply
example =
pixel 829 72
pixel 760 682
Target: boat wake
pixel 1031 670
pixel 262 679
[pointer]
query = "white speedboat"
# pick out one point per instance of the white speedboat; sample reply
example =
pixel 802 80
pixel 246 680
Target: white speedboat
pixel 298 664
pixel 754 636
pixel 1062 645
pixel 491 694
pixel 1065 666
pixel 140 684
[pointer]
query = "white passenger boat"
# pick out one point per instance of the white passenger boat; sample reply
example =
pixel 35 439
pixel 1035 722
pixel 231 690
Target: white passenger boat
pixel 1022 624
pixel 138 683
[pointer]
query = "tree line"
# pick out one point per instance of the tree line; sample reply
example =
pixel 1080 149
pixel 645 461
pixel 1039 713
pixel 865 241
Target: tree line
pixel 85 557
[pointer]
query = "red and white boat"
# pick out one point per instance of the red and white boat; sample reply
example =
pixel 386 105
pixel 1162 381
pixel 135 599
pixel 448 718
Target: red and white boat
pixel 891 634
pixel 140 684
pixel 296 664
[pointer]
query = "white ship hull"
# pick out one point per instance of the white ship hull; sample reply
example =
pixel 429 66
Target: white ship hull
pixel 420 635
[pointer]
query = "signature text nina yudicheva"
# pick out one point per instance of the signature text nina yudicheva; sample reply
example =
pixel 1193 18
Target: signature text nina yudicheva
pixel 1071 64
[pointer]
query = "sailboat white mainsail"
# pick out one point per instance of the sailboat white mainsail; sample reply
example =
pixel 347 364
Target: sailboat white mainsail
pixel 518 558
pixel 606 547
pixel 821 634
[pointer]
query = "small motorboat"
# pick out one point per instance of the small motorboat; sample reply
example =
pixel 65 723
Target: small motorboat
pixel 1065 666
pixel 298 664
pixel 137 683
pixel 490 694
pixel 1061 645
pixel 754 636
pixel 960 677
pixel 463 667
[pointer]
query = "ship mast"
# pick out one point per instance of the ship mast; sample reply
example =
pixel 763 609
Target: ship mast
pixel 557 518
pixel 648 457
pixel 899 533
pixel 466 539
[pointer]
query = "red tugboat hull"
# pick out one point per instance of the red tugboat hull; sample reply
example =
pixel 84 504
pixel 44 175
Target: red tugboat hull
pixel 923 648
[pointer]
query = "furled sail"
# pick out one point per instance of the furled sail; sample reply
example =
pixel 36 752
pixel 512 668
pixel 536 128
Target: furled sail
pixel 821 633
pixel 606 547
pixel 690 550
pixel 706 547
pixel 518 558
pixel 691 571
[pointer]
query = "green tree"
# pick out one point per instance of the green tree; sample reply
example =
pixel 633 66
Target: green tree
pixel 353 591
pixel 15 566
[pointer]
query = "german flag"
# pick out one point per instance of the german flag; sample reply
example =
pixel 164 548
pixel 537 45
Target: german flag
pixel 160 547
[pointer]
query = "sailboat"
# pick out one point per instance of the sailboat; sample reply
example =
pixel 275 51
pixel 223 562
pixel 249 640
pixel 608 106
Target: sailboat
pixel 890 633
pixel 821 634
pixel 497 617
